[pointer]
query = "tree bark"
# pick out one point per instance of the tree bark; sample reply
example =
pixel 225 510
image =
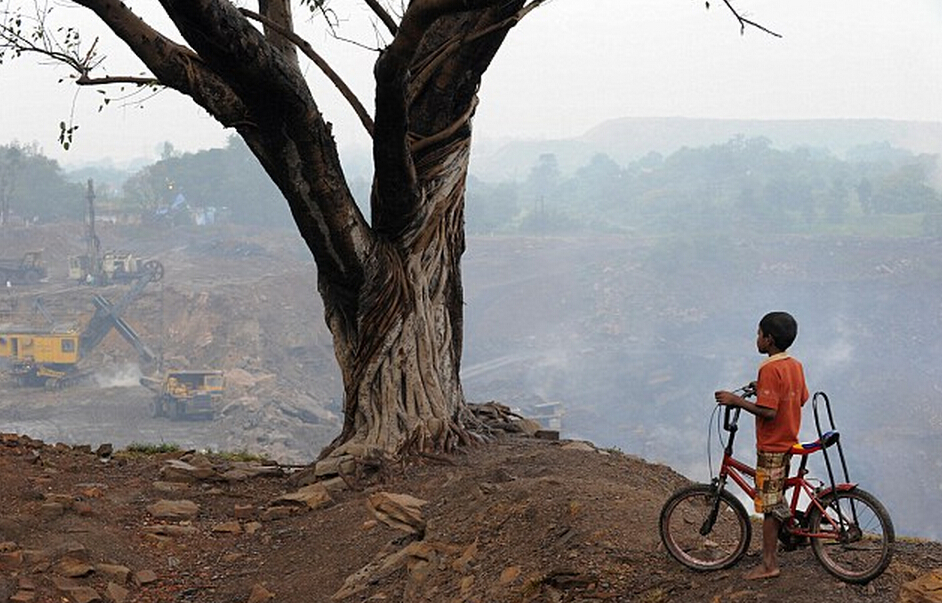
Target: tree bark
pixel 401 362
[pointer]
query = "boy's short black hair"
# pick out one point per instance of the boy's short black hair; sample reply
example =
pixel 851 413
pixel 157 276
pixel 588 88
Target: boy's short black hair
pixel 781 327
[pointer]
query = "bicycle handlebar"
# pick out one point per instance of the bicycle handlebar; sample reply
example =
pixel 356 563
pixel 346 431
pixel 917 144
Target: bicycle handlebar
pixel 731 413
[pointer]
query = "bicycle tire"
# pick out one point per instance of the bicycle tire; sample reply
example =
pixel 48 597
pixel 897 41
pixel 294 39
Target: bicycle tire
pixel 864 549
pixel 682 517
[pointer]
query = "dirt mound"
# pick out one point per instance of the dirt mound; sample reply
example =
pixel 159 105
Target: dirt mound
pixel 520 519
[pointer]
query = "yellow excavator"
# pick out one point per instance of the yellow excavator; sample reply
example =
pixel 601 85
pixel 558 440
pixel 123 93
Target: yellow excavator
pixel 52 357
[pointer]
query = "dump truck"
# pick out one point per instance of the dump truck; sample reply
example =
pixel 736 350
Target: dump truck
pixel 26 270
pixel 187 395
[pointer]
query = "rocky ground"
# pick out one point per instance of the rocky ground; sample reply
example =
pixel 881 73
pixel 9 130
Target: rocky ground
pixel 520 519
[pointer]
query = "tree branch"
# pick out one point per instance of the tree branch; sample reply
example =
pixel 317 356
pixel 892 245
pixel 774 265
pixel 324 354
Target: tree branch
pixel 173 64
pixel 422 72
pixel 85 80
pixel 278 15
pixel 325 68
pixel 383 16
pixel 743 22
pixel 395 194
pixel 293 142
pixel 38 41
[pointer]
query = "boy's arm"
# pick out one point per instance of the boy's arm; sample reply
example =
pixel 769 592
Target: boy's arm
pixel 725 398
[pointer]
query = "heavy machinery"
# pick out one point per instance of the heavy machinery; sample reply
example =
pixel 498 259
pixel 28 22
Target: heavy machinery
pixel 97 268
pixel 187 395
pixel 111 267
pixel 52 357
pixel 26 270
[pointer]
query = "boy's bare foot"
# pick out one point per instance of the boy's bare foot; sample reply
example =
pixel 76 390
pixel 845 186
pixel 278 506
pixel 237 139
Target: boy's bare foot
pixel 761 573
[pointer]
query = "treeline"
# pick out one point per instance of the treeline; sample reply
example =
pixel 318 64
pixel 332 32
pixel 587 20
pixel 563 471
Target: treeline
pixel 228 180
pixel 34 188
pixel 743 184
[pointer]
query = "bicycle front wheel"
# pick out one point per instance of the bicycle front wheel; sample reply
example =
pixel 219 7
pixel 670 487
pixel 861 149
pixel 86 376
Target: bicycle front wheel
pixel 853 537
pixel 705 530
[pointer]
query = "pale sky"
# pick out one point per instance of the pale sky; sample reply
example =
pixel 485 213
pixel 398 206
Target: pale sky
pixel 567 67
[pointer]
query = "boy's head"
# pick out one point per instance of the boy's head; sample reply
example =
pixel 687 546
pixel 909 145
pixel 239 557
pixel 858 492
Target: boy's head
pixel 780 327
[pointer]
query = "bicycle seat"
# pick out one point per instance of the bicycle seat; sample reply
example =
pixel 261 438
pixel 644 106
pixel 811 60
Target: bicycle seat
pixel 827 439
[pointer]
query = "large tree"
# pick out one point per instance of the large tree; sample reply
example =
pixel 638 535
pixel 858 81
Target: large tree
pixel 391 285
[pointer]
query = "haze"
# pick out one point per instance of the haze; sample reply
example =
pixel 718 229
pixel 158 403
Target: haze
pixel 870 313
pixel 564 70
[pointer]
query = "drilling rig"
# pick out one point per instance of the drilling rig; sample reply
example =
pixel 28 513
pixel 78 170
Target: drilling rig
pixel 95 267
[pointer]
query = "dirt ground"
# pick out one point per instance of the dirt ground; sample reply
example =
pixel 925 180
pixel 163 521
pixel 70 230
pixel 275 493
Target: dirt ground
pixel 519 519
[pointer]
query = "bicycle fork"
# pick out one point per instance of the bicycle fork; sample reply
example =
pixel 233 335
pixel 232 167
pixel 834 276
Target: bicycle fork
pixel 710 520
pixel 731 425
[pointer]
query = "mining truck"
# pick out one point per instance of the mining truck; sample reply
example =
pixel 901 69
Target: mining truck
pixel 26 270
pixel 189 395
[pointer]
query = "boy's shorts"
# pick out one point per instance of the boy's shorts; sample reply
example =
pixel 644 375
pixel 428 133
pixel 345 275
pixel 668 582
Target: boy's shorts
pixel 771 472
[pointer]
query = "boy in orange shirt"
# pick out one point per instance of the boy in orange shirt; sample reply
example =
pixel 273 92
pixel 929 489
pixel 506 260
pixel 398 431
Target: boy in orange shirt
pixel 780 394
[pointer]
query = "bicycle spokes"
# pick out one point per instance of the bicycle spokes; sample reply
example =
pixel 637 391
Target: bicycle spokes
pixel 852 535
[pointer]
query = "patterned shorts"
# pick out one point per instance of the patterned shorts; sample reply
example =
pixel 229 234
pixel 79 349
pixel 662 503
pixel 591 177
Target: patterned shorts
pixel 771 472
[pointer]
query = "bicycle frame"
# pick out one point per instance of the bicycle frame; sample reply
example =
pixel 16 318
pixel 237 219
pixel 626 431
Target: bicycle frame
pixel 738 471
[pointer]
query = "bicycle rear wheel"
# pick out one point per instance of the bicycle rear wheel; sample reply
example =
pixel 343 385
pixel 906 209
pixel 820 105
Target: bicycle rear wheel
pixel 860 534
pixel 688 512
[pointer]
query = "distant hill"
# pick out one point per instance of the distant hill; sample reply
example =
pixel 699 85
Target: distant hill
pixel 630 138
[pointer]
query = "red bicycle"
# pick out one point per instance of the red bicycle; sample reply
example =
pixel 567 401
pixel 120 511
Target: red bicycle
pixel 705 527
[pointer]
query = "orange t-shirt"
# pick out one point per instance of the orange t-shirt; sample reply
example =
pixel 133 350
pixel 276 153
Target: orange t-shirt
pixel 781 385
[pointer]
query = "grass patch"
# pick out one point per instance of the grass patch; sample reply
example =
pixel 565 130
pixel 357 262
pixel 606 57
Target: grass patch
pixel 136 448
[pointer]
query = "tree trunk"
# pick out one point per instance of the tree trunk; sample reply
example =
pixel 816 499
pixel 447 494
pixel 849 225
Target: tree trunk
pixel 401 363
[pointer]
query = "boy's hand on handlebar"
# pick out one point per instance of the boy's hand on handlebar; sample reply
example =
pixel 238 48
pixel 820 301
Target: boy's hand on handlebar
pixel 725 398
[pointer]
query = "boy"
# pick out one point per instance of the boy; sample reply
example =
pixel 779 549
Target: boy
pixel 780 393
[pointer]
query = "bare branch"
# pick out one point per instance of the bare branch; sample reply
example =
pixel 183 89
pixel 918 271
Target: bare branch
pixel 173 65
pixel 383 16
pixel 325 68
pixel 84 80
pixel 743 22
